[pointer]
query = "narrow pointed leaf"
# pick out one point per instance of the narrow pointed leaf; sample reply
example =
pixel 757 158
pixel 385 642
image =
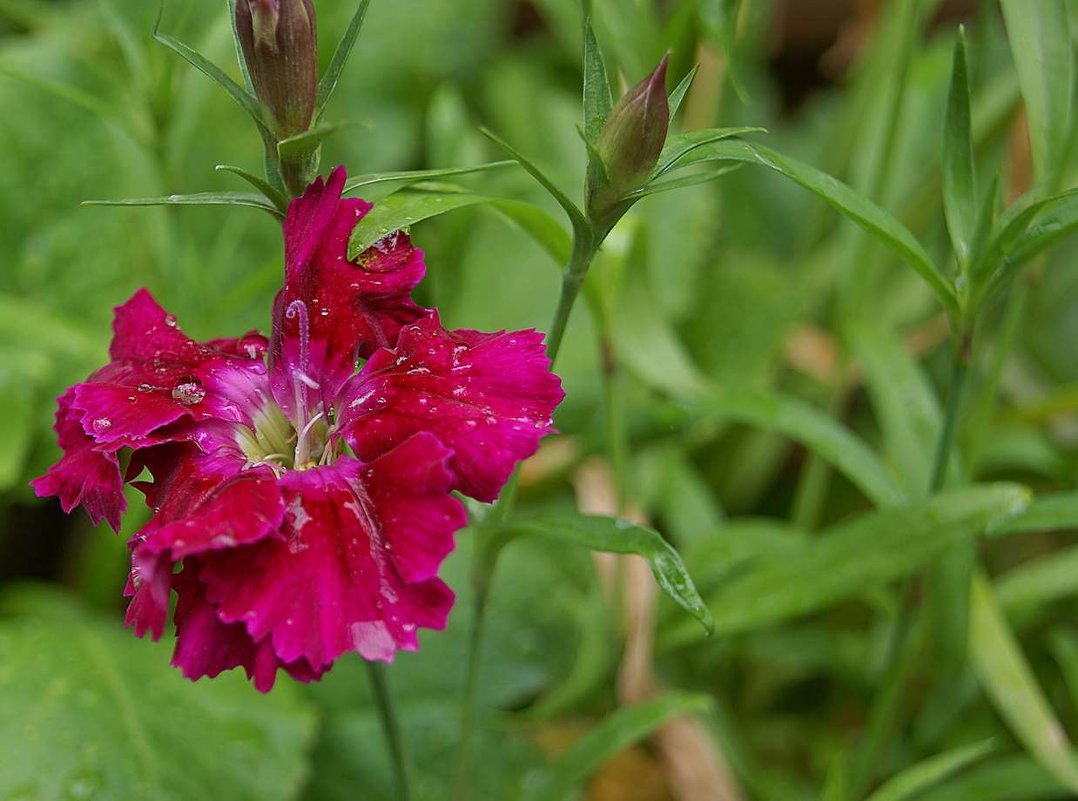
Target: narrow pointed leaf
pixel 842 198
pixel 1039 581
pixel 576 216
pixel 814 429
pixel 403 209
pixel 1046 513
pixel 610 535
pixel 239 48
pixel 959 192
pixel 273 195
pixel 679 146
pixel 547 232
pixel 696 179
pixel 1009 682
pixel 849 559
pixel 597 101
pixel 1054 222
pixel 406 177
pixel 618 731
pixel 1016 242
pixel 307 142
pixel 682 89
pixel 248 199
pixel 328 83
pixel 247 101
pixel 1039 34
pixel 914 780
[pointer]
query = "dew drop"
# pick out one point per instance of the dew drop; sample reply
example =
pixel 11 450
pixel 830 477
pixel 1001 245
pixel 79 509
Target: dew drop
pixel 188 391
pixel 83 786
pixel 144 387
pixel 102 424
pixel 170 320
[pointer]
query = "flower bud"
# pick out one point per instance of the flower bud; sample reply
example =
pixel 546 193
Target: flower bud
pixel 279 40
pixel 633 137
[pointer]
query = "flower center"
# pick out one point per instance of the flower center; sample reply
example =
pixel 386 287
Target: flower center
pixel 275 442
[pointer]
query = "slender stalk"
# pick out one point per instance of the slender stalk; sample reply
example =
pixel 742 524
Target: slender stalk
pixel 390 728
pixel 955 394
pixel 463 779
pixel 903 645
pixel 585 246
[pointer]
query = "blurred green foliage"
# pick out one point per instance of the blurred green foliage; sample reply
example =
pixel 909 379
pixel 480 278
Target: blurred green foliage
pixel 826 360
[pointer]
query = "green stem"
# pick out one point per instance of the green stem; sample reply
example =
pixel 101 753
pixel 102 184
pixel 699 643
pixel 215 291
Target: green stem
pixel 471 693
pixel 390 728
pixel 903 646
pixel 955 393
pixel 585 246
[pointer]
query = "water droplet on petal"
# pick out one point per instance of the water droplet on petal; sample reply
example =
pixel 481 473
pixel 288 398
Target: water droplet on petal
pixel 188 391
pixel 144 387
pixel 102 424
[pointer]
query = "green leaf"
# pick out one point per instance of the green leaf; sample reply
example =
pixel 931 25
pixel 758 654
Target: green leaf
pixel 850 559
pixel 407 177
pixel 959 189
pixel 1009 682
pixel 540 226
pixel 1014 242
pixel 611 535
pixel 682 89
pixel 903 400
pixel 618 731
pixel 655 187
pixel 597 101
pixel 811 427
pixel 914 780
pixel 1002 778
pixel 403 209
pixel 1046 513
pixel 576 216
pixel 93 712
pixel 681 145
pixel 1057 218
pixel 248 199
pixel 328 83
pixel 231 4
pixel 1039 581
pixel 273 195
pixel 842 198
pixel 247 101
pixel 1039 34
pixel 305 143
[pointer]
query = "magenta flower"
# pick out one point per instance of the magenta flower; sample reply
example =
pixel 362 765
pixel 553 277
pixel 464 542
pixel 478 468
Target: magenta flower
pixel 309 504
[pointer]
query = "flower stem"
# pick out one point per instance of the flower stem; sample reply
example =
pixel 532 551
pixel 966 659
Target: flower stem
pixel 488 542
pixel 903 647
pixel 585 245
pixel 955 394
pixel 390 728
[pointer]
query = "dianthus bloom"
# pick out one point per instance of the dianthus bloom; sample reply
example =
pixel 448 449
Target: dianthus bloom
pixel 310 504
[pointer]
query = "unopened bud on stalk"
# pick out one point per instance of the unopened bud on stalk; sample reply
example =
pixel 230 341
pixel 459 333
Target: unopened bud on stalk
pixel 633 137
pixel 280 46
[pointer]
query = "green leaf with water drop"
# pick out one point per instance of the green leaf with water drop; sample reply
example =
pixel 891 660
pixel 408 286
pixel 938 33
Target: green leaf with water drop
pixel 91 712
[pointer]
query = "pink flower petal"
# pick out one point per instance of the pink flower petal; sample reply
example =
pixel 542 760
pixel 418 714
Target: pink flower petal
pixel 83 477
pixel 330 311
pixel 207 647
pixel 158 376
pixel 355 569
pixel 489 397
pixel 202 503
